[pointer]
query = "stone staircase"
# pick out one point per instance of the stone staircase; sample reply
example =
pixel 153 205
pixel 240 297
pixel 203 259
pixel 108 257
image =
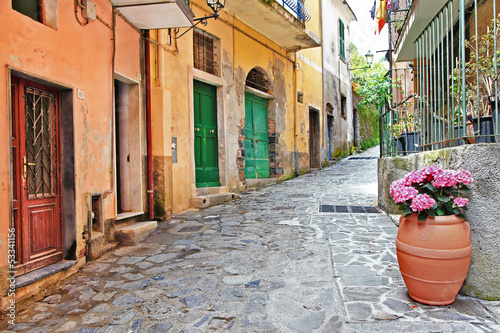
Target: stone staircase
pixel 211 196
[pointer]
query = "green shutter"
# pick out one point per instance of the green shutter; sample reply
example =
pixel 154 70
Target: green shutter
pixel 342 39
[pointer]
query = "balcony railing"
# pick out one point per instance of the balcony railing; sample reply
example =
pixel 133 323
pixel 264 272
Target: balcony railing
pixel 296 8
pixel 450 94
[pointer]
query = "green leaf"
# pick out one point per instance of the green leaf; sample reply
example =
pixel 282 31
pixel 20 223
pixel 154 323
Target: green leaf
pixel 407 210
pixel 440 212
pixel 443 198
pixel 431 212
pixel 422 216
pixel 430 187
pixel 456 211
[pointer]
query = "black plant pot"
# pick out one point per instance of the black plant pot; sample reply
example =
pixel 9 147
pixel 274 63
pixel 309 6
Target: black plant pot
pixel 408 142
pixel 486 133
pixel 495 118
pixel 458 131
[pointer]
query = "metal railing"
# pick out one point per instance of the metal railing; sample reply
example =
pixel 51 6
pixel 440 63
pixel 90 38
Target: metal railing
pixel 449 95
pixel 297 9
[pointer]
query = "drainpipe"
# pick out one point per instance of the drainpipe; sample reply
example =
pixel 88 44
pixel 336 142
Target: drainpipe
pixel 295 148
pixel 148 128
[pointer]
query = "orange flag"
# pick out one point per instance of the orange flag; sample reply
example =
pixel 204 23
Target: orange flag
pixel 380 15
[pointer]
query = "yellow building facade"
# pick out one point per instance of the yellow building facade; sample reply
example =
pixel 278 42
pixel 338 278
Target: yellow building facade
pixel 236 103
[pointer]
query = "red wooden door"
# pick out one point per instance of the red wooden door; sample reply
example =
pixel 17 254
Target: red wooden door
pixel 36 156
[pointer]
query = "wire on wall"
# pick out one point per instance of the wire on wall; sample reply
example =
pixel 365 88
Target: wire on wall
pixel 79 5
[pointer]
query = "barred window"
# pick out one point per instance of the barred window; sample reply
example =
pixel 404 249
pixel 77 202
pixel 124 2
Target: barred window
pixel 205 55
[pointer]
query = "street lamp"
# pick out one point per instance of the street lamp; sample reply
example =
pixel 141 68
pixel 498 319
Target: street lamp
pixel 216 6
pixel 369 61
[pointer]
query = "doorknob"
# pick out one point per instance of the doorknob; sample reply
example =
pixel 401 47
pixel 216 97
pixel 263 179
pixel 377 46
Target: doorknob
pixel 212 131
pixel 25 169
pixel 196 129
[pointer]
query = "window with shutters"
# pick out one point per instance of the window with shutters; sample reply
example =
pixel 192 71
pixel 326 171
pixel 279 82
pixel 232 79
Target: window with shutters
pixel 342 39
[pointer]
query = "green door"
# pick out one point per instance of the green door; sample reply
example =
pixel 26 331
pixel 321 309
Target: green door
pixel 205 135
pixel 256 137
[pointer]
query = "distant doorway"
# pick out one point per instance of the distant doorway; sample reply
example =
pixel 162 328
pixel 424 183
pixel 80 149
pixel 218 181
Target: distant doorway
pixel 329 138
pixel 314 139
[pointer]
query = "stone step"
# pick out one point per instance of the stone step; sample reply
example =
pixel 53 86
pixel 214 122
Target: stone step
pixel 203 191
pixel 135 233
pixel 260 182
pixel 205 201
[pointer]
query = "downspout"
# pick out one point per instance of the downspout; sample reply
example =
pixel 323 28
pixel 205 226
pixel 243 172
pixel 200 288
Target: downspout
pixel 295 115
pixel 148 127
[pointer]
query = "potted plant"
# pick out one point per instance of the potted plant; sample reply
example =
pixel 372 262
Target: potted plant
pixel 433 242
pixel 480 72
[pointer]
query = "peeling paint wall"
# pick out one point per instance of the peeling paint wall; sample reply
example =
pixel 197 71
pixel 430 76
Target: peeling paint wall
pixel 483 215
pixel 238 54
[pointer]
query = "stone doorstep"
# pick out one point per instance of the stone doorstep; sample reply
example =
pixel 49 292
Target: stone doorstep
pixel 205 201
pixel 260 182
pixel 29 278
pixel 211 190
pixel 135 233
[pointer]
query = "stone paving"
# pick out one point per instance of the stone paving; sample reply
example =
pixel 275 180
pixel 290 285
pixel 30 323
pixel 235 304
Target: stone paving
pixel 269 262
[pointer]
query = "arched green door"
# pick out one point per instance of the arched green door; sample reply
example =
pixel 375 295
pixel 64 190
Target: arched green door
pixel 205 135
pixel 256 137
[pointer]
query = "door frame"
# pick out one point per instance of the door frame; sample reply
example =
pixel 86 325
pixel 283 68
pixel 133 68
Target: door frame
pixel 220 84
pixel 67 187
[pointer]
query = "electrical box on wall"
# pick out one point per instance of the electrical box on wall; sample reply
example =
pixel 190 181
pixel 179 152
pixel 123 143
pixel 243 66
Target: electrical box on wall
pixel 88 10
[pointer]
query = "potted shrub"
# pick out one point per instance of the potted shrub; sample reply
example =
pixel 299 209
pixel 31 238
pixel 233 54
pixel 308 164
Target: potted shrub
pixel 480 84
pixel 433 242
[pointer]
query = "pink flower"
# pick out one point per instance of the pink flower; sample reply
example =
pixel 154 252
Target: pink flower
pixel 460 202
pixel 463 176
pixel 444 178
pixel 403 193
pixel 421 202
pixel 431 170
pixel 415 177
pixel 395 184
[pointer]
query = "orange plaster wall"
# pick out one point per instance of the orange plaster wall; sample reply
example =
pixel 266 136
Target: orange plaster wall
pixel 128 42
pixel 77 57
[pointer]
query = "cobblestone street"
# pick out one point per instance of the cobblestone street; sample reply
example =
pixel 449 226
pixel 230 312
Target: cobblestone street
pixel 311 254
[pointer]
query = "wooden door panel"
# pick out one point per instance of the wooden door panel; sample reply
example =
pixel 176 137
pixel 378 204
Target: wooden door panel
pixel 36 157
pixel 43 229
pixel 205 133
pixel 256 138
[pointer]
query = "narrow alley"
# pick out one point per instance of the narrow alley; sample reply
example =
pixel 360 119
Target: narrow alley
pixel 311 254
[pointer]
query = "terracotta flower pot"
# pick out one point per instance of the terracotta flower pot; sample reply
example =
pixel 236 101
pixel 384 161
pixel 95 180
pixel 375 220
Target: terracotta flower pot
pixel 434 257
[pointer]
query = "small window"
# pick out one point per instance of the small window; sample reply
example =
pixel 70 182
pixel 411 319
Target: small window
pixel 31 8
pixel 342 39
pixel 205 55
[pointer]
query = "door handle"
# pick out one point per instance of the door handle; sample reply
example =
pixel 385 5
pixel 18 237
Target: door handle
pixel 25 168
pixel 212 131
pixel 196 129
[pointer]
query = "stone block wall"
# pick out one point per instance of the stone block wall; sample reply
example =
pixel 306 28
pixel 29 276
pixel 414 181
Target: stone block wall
pixel 482 160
